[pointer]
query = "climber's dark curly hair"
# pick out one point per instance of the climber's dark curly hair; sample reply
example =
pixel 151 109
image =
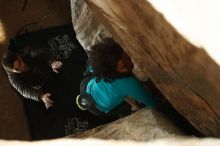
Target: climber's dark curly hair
pixel 104 57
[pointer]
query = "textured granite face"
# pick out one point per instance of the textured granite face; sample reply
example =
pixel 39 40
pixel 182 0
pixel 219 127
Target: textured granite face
pixel 143 125
pixel 89 30
pixel 185 74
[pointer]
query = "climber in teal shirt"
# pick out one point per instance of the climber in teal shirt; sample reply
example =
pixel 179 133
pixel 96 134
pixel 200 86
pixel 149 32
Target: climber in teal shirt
pixel 109 81
pixel 108 95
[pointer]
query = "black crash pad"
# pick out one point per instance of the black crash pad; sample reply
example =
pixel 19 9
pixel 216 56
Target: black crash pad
pixel 64 118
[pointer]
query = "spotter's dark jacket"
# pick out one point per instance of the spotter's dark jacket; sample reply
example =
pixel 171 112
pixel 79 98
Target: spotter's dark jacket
pixel 31 83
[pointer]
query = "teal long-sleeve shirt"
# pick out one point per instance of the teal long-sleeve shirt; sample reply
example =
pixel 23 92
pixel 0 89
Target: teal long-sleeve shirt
pixel 108 95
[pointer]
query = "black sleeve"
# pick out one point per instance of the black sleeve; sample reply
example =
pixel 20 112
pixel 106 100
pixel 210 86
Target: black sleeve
pixel 25 90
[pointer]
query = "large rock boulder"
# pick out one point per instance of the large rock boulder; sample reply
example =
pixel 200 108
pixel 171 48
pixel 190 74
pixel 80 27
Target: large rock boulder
pixel 143 125
pixel 89 30
pixel 185 74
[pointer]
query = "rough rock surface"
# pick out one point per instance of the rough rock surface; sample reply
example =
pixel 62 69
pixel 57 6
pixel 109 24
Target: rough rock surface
pixel 88 29
pixel 143 125
pixel 185 74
